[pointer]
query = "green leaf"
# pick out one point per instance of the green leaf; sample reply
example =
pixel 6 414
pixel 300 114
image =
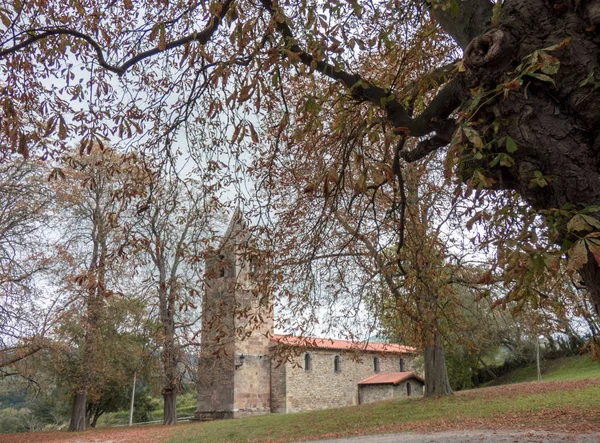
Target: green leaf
pixel 511 146
pixel 591 209
pixel 542 77
pixel 592 221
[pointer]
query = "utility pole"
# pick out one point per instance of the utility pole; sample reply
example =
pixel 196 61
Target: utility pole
pixel 537 357
pixel 132 400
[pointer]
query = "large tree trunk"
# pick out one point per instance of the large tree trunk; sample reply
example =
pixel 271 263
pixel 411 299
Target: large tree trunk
pixel 78 413
pixel 553 115
pixel 591 276
pixel 436 373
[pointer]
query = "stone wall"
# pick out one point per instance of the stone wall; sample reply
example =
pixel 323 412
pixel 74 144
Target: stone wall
pixel 278 387
pixel 371 393
pixel 252 386
pixel 217 352
pixel 321 387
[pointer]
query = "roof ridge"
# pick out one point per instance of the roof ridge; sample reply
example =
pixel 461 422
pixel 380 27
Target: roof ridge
pixel 340 344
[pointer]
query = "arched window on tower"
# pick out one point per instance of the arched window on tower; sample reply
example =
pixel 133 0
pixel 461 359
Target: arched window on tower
pixel 376 364
pixel 401 364
pixel 337 364
pixel 408 389
pixel 307 362
pixel 221 266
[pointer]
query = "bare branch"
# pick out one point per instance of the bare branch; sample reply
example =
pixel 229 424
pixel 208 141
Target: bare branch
pixel 201 37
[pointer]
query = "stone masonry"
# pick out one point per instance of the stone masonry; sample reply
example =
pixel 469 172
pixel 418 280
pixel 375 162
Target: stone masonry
pixel 293 388
pixel 239 369
pixel 234 365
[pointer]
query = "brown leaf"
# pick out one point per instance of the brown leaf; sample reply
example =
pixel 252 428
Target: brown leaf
pixel 578 256
pixel 62 128
pixel 22 149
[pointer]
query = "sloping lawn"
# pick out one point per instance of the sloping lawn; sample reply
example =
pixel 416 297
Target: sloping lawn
pixel 569 368
pixel 572 406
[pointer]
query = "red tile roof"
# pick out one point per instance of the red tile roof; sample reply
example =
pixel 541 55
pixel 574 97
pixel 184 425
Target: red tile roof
pixel 342 345
pixel 389 378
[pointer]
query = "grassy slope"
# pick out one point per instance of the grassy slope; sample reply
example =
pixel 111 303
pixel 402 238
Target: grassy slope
pixel 569 368
pixel 412 414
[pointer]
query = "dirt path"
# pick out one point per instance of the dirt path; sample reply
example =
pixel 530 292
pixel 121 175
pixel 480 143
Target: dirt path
pixel 472 436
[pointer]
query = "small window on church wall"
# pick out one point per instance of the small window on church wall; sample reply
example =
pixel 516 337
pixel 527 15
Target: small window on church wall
pixel 408 389
pixel 376 364
pixel 253 266
pixel 221 266
pixel 337 366
pixel 307 362
pixel 401 363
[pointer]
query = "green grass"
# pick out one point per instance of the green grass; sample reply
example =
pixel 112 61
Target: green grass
pixel 568 368
pixel 385 416
pixel 186 406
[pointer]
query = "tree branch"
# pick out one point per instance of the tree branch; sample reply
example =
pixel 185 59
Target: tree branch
pixel 201 37
pixel 360 88
pixel 428 121
pixel 473 18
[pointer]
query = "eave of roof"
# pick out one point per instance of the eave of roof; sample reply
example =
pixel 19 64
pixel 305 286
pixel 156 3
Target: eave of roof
pixel 341 345
pixel 390 378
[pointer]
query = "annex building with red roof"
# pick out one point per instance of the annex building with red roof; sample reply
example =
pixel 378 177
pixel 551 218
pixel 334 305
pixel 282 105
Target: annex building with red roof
pixel 263 372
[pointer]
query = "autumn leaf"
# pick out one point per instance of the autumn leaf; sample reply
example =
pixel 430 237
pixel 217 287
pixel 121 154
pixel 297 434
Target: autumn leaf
pixel 552 262
pixel 578 223
pixel 578 256
pixel 162 37
pixel 62 128
pixel 22 149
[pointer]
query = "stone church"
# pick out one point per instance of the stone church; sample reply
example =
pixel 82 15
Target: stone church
pixel 244 369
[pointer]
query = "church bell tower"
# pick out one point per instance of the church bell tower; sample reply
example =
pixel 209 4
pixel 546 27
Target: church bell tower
pixel 237 320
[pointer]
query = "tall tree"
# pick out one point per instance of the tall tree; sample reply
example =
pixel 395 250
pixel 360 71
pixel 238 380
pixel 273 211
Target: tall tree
pixel 93 192
pixel 173 229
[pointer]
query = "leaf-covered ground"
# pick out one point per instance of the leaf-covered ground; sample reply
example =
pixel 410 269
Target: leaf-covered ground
pixel 558 406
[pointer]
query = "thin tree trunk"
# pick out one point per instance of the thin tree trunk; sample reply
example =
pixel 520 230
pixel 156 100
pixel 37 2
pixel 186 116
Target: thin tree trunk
pixel 171 383
pixel 170 406
pixel 96 271
pixel 487 368
pixel 436 373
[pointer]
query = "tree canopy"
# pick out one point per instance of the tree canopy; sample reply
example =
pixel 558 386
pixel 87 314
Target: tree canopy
pixel 328 105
